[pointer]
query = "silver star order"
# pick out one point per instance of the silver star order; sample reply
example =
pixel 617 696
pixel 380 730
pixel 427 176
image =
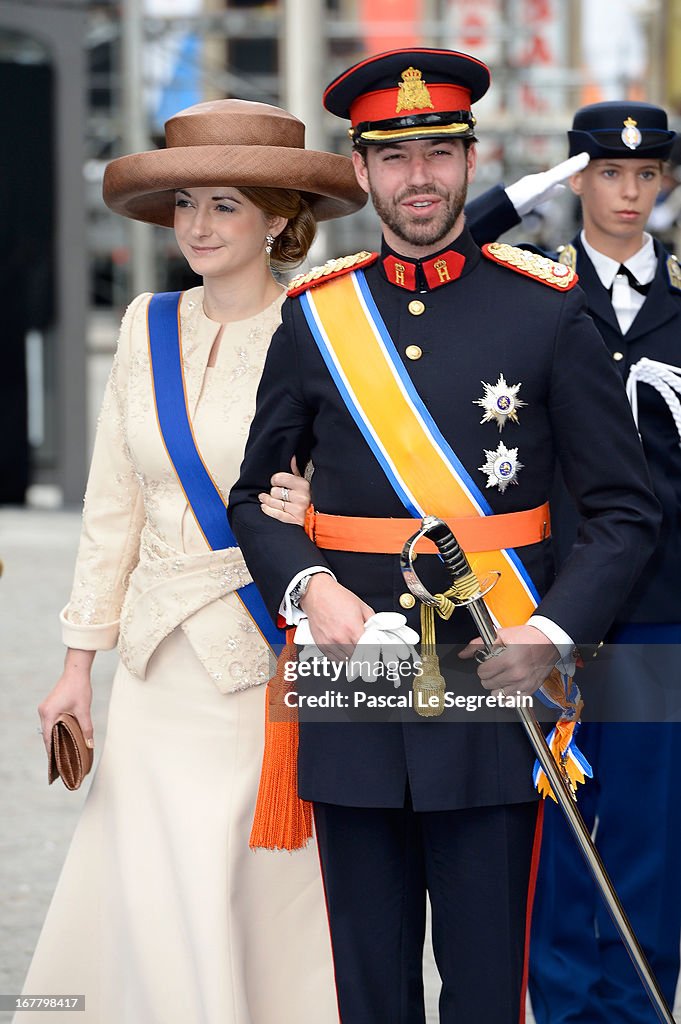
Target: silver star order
pixel 500 402
pixel 502 467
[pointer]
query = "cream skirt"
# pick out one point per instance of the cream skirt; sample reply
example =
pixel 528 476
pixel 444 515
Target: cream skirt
pixel 162 914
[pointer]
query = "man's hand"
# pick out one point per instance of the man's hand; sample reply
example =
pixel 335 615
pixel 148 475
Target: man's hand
pixel 336 616
pixel 527 660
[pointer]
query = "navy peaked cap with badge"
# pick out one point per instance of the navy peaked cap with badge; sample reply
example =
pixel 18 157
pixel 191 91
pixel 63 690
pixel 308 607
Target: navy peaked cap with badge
pixel 620 130
pixel 409 94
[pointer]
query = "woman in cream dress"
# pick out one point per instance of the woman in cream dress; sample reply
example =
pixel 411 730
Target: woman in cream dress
pixel 163 915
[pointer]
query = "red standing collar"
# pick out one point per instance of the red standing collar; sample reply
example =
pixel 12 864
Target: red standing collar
pixel 441 269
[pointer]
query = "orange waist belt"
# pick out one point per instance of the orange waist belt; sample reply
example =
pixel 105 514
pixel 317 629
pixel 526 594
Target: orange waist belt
pixel 388 536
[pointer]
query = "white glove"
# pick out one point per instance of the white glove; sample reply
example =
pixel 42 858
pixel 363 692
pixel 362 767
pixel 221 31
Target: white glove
pixel 387 640
pixel 533 189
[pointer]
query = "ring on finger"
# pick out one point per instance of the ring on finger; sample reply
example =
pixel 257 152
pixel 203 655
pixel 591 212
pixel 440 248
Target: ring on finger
pixel 283 505
pixel 284 494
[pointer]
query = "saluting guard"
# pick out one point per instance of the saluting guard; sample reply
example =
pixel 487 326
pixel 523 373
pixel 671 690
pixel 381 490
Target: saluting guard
pixel 579 970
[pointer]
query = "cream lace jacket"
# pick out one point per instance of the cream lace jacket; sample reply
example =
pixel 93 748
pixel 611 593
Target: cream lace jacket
pixel 143 566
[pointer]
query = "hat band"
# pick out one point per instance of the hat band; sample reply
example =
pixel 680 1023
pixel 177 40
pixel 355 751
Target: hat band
pixel 397 134
pixel 600 143
pixel 446 122
pixel 663 133
pixel 384 103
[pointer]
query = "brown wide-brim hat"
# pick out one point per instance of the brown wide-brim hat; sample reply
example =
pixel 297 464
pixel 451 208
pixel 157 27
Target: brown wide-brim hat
pixel 230 142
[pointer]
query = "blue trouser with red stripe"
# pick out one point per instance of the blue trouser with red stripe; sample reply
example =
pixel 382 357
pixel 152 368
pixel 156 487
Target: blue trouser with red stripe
pixel 579 968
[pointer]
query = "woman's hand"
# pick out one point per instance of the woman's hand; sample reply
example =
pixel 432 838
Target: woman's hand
pixel 72 693
pixel 288 498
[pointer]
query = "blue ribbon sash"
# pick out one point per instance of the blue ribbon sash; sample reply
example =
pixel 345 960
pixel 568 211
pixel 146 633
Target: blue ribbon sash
pixel 205 501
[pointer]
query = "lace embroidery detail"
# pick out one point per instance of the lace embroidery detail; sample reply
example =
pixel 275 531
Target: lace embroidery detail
pixel 136 556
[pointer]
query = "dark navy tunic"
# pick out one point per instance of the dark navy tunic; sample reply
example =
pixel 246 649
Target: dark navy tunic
pixel 489 321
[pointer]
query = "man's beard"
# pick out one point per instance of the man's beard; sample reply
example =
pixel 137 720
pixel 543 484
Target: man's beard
pixel 425 232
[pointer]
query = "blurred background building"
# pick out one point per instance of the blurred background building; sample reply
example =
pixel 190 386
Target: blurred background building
pixel 87 80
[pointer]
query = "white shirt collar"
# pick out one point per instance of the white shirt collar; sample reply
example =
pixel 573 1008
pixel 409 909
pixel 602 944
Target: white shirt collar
pixel 642 264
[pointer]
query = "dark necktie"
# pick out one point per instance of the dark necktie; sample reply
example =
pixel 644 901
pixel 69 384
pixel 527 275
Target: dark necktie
pixel 642 289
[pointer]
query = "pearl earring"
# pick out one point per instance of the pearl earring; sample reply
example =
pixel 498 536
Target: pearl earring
pixel 269 242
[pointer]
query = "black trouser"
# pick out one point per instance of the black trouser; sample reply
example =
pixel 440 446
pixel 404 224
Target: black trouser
pixel 475 865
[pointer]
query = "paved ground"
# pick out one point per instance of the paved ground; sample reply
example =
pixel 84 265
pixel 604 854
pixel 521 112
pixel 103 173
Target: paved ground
pixel 38 549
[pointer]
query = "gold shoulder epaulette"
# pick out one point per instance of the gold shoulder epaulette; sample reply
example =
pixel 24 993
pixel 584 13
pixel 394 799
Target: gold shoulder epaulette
pixel 674 272
pixel 567 254
pixel 531 264
pixel 329 270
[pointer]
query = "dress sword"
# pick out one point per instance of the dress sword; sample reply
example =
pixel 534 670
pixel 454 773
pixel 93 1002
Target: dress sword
pixel 463 578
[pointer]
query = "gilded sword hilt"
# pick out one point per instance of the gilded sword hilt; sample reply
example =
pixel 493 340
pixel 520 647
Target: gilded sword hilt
pixel 464 590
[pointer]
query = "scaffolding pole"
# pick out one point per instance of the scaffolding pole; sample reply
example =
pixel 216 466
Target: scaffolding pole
pixel 304 46
pixel 136 137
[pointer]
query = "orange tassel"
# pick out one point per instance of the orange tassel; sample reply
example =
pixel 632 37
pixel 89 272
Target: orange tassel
pixel 282 821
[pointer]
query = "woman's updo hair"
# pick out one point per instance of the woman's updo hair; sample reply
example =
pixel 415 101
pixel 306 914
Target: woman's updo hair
pixel 291 246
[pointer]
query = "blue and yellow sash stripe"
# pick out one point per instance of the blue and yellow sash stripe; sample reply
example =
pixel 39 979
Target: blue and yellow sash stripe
pixel 422 466
pixel 172 412
pixel 418 461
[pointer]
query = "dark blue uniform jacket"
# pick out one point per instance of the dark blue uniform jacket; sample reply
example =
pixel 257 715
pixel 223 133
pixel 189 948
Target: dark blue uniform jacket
pixel 655 334
pixel 488 322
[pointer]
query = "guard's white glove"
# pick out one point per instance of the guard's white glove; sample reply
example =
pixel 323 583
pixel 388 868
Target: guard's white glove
pixel 387 640
pixel 533 189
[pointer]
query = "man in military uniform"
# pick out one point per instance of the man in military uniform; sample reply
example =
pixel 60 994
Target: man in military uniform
pixel 579 969
pixel 433 377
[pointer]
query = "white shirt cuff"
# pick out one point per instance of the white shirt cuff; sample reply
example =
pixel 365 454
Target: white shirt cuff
pixel 561 640
pixel 289 612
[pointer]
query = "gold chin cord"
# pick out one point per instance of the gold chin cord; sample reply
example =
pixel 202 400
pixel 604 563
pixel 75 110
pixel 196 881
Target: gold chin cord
pixel 462 578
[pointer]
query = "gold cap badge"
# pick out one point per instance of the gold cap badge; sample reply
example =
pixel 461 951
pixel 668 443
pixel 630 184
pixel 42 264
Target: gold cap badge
pixel 412 93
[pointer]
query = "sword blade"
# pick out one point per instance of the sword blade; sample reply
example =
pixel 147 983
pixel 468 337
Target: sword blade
pixel 457 565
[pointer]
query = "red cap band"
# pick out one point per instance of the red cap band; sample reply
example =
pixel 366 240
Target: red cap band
pixel 381 105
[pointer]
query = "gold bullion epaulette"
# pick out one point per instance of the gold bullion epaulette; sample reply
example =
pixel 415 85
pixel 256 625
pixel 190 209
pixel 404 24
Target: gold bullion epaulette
pixel 532 264
pixel 329 270
pixel 674 272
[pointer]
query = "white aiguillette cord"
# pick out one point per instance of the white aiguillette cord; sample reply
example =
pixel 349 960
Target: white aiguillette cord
pixel 665 378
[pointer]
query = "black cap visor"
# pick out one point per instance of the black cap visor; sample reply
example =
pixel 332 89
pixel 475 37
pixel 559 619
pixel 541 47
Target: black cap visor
pixel 454 124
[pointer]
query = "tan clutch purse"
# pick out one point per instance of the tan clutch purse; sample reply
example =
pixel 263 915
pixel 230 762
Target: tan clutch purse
pixel 69 758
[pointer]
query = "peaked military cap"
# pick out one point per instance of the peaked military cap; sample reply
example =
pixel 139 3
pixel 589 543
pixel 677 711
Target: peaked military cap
pixel 401 95
pixel 620 130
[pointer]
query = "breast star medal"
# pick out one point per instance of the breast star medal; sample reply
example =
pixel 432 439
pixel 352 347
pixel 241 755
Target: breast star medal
pixel 500 402
pixel 502 467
